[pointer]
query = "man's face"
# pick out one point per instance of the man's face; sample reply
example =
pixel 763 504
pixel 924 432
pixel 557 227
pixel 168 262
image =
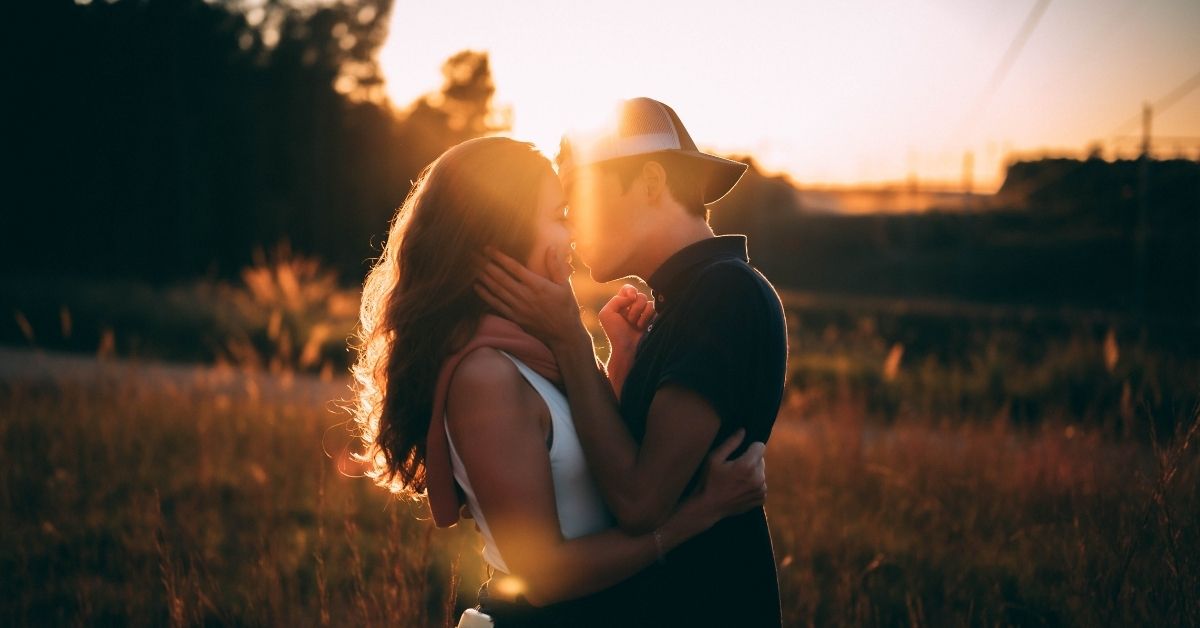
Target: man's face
pixel 604 217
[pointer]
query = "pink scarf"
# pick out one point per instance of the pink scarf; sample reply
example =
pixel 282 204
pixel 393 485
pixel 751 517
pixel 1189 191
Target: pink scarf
pixel 497 333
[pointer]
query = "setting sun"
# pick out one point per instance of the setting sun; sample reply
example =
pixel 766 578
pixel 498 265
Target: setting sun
pixel 831 94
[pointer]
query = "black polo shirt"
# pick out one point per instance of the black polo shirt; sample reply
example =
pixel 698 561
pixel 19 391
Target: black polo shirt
pixel 720 333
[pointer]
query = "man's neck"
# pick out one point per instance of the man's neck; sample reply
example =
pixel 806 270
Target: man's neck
pixel 669 238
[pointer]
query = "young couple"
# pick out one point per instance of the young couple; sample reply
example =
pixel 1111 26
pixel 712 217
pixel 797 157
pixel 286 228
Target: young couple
pixel 628 493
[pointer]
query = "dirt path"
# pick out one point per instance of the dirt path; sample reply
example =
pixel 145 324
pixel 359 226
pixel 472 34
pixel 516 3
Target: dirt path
pixel 37 367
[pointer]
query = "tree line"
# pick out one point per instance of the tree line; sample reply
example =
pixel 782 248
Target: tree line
pixel 167 139
pixel 163 139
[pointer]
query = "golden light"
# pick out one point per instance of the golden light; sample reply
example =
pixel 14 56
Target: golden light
pixel 830 93
pixel 508 586
pixel 583 223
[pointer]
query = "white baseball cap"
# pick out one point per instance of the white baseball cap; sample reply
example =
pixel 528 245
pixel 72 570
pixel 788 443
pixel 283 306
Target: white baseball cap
pixel 644 126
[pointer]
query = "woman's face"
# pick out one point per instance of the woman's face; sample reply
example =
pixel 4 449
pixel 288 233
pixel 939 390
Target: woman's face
pixel 552 227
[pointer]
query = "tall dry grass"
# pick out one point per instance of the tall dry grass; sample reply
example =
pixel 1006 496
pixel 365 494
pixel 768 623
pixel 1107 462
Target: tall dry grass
pixel 969 524
pixel 159 500
pixel 217 499
pixel 156 495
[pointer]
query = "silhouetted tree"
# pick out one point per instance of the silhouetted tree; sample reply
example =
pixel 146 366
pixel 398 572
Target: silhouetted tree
pixel 461 110
pixel 165 138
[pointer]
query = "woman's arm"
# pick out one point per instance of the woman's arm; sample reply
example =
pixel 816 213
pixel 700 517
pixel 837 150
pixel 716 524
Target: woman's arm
pixel 493 417
pixel 642 482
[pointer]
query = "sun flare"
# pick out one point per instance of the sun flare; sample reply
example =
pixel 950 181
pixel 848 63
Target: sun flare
pixel 831 94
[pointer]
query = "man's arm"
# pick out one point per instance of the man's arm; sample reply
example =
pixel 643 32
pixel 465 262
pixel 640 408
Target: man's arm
pixel 492 416
pixel 640 484
pixel 643 484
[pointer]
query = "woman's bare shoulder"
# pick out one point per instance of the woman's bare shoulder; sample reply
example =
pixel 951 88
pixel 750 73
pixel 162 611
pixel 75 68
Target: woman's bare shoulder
pixel 486 385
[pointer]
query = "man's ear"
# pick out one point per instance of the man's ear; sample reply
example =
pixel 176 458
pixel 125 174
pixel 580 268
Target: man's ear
pixel 654 178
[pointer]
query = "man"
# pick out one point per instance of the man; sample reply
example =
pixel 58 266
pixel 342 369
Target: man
pixel 712 361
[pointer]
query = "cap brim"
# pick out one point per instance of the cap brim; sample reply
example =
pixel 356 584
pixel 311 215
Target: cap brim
pixel 720 176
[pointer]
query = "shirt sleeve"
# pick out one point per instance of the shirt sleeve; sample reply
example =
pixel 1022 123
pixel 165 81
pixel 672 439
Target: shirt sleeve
pixel 715 349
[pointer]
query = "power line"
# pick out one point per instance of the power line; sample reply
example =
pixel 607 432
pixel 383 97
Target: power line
pixel 1010 56
pixel 1164 103
pixel 1177 94
pixel 1006 62
pixel 998 75
pixel 1099 38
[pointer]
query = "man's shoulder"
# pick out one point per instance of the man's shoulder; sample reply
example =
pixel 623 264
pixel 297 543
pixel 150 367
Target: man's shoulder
pixel 735 282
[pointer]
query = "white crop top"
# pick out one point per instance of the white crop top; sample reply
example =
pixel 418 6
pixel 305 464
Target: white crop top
pixel 581 510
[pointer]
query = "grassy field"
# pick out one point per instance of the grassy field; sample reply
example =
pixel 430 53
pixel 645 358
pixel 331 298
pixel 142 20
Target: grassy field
pixel 935 463
pixel 216 496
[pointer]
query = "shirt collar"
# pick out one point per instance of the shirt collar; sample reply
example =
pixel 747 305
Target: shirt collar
pixel 664 279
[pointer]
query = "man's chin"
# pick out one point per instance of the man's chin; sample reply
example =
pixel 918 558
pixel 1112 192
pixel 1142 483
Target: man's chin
pixel 598 274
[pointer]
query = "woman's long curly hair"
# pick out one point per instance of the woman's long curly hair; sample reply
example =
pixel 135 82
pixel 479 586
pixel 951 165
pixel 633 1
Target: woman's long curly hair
pixel 418 304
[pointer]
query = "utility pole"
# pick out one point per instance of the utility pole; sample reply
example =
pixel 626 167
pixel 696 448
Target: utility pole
pixel 1140 234
pixel 966 267
pixel 968 179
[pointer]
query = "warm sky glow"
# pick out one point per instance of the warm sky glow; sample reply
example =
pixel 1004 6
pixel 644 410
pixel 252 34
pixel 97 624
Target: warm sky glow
pixel 839 92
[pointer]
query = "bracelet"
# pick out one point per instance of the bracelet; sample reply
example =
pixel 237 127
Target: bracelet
pixel 658 545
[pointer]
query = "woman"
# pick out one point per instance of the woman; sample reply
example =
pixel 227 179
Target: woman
pixel 464 405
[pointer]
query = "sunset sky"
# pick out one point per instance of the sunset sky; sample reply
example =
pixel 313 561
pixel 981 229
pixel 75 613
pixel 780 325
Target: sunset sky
pixel 830 93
